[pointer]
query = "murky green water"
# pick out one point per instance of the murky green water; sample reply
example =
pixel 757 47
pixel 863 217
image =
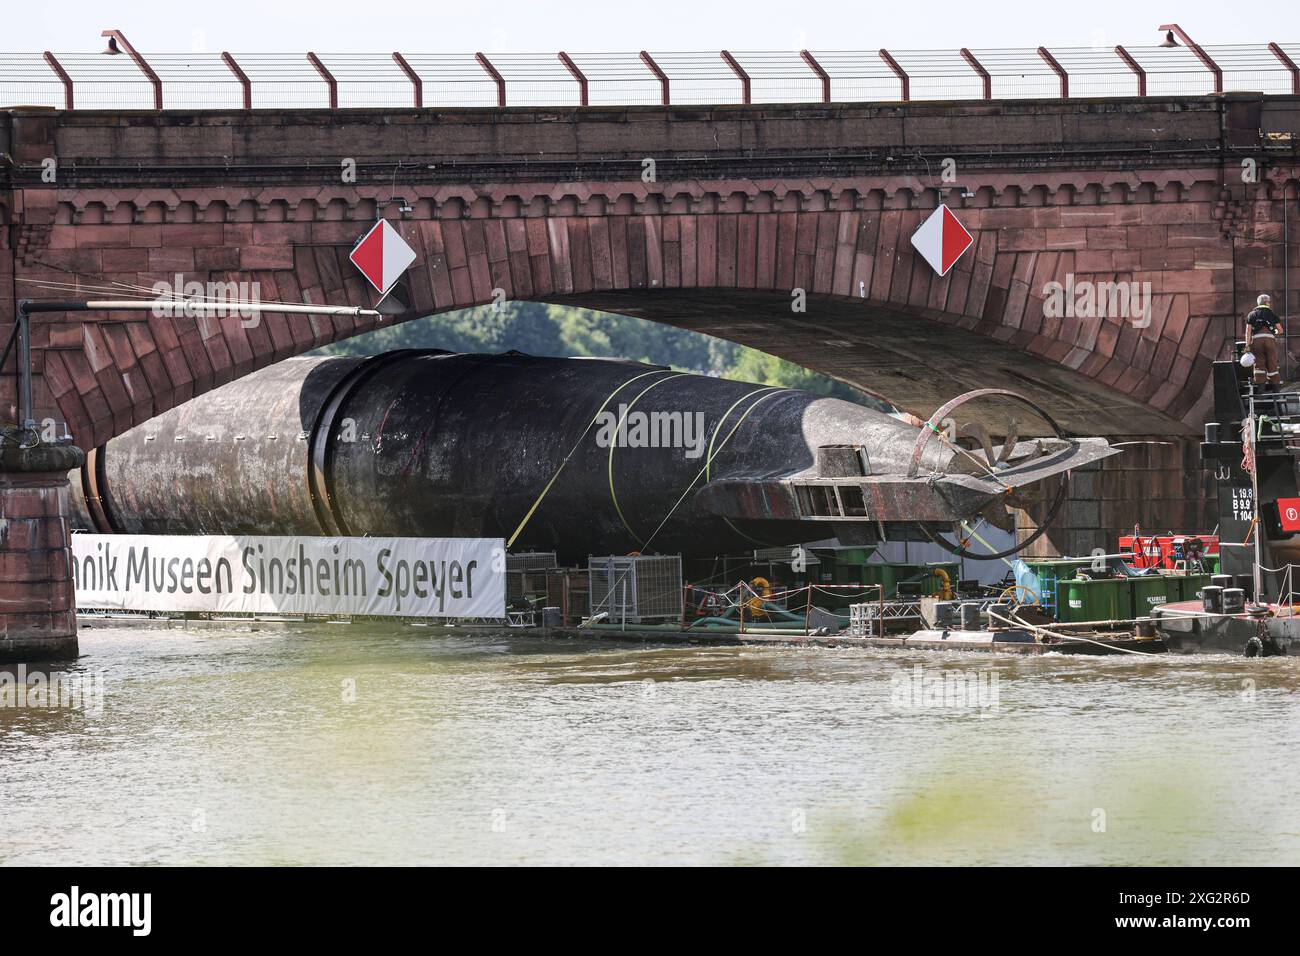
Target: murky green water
pixel 239 746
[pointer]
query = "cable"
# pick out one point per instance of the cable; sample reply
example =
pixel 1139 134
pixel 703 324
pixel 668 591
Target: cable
pixel 1073 637
pixel 528 516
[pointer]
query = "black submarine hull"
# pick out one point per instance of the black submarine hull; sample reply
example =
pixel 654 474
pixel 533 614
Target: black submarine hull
pixel 446 444
pixel 579 456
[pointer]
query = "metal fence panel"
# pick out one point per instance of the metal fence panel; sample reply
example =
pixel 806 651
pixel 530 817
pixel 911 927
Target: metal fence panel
pixel 633 587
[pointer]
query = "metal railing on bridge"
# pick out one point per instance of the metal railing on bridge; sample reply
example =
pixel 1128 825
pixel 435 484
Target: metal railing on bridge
pixel 270 81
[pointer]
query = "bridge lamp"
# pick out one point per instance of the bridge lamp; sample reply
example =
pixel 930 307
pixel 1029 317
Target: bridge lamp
pixel 1174 34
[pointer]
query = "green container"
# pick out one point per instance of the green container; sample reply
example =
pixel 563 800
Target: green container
pixel 885 574
pixel 1123 600
pixel 933 583
pixel 1059 567
pixel 875 574
pixel 1191 585
pixel 889 575
pixel 1151 591
pixel 853 555
pixel 848 574
pixel 1104 599
pixel 1051 572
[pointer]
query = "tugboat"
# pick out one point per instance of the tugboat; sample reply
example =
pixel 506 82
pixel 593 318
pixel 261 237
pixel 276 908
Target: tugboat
pixel 1252 447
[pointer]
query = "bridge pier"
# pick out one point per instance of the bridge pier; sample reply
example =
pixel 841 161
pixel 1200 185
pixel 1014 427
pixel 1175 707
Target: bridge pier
pixel 38 617
pixel 1158 483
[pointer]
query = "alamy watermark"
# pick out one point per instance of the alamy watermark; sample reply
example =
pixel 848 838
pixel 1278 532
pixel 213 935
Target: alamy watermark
pixel 925 689
pixel 634 429
pixel 1085 299
pixel 219 299
pixel 126 910
pixel 21 689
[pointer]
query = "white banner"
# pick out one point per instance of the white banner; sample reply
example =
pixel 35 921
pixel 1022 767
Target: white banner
pixel 391 577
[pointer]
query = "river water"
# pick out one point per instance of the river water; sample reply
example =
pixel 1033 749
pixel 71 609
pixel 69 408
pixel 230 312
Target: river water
pixel 369 744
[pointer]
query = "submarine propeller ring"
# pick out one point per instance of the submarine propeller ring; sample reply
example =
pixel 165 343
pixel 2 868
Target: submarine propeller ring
pixel 932 427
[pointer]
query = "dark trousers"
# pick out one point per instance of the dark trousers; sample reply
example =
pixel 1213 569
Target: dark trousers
pixel 1265 349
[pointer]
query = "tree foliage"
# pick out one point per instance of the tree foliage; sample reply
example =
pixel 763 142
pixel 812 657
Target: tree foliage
pixel 555 330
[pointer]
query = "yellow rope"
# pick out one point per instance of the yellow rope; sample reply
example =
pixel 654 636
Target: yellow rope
pixel 707 472
pixel 972 533
pixel 613 495
pixel 595 418
pixel 704 472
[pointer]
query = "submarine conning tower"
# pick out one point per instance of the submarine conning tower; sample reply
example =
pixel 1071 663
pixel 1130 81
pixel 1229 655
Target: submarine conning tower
pixel 579 456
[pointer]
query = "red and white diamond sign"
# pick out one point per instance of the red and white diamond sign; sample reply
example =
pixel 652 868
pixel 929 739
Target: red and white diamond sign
pixel 382 255
pixel 941 240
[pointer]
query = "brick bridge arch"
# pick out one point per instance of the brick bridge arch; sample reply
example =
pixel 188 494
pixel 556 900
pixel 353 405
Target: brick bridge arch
pixel 719 255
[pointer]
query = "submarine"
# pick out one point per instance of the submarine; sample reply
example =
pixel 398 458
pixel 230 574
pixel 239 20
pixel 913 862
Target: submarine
pixel 574 455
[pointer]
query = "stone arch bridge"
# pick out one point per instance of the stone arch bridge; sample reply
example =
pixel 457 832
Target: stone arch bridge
pixel 706 218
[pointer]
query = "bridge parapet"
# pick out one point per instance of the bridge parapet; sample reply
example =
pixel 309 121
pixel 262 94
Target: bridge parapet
pixel 231 80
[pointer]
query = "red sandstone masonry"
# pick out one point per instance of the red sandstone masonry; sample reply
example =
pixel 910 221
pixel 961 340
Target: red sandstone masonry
pixel 36 597
pixel 108 374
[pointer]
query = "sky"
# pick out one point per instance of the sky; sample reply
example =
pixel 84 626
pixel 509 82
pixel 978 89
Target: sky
pixel 516 26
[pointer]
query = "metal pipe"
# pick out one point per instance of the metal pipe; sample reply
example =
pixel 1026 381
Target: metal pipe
pixel 187 306
pixel 1287 62
pixel 741 75
pixel 1133 65
pixel 62 74
pixel 978 67
pixel 821 74
pixel 24 360
pixel 903 78
pixel 1201 55
pixel 577 74
pixel 116 37
pixel 1058 70
pixel 1286 283
pixel 660 75
pixel 497 78
pixel 328 77
pixel 242 77
pixel 417 84
pixel 1257 578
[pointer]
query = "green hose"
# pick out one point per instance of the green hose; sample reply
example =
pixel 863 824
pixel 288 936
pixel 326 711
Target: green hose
pixel 729 627
pixel 732 622
pixel 732 616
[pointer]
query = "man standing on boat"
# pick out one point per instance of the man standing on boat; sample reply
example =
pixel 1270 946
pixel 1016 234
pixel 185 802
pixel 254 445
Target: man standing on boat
pixel 1262 328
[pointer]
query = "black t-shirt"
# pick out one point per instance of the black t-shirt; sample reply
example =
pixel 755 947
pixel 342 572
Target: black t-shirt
pixel 1262 320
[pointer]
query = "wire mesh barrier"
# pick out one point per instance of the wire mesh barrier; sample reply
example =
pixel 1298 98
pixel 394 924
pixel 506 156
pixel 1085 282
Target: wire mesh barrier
pixel 629 589
pixel 226 80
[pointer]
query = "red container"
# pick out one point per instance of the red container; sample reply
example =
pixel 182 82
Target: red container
pixel 1162 550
